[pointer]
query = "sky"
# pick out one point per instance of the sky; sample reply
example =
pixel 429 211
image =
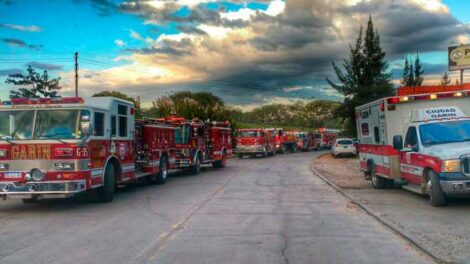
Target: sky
pixel 250 53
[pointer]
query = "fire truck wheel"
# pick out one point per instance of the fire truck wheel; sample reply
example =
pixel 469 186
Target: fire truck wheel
pixel 436 195
pixel 196 168
pixel 265 152
pixel 163 174
pixel 219 164
pixel 106 192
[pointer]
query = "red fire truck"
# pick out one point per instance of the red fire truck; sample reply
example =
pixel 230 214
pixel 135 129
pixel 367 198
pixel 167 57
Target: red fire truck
pixel 54 148
pixel 420 137
pixel 328 137
pixel 285 141
pixel 198 142
pixel 255 141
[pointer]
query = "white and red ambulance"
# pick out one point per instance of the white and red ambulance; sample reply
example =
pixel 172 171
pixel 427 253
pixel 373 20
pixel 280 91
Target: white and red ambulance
pixel 420 138
pixel 60 147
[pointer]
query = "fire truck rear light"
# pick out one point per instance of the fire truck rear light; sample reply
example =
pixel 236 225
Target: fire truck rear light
pixel 458 94
pixel 393 100
pixel 63 152
pixel 3 153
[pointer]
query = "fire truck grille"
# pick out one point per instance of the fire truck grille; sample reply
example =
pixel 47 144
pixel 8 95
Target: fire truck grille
pixel 465 161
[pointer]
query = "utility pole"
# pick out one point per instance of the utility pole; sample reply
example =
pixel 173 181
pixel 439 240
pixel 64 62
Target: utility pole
pixel 76 73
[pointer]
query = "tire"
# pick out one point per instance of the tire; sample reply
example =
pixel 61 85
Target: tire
pixel 221 163
pixel 436 195
pixel 196 168
pixel 377 181
pixel 163 174
pixel 240 156
pixel 106 192
pixel 265 152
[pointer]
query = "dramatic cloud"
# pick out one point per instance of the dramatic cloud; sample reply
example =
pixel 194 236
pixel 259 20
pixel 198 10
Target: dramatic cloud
pixel 44 66
pixel 20 44
pixel 284 51
pixel 7 72
pixel 31 28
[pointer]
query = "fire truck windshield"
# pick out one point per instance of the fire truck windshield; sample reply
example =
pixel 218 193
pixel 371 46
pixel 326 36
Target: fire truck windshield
pixel 16 124
pixel 249 134
pixel 445 132
pixel 57 124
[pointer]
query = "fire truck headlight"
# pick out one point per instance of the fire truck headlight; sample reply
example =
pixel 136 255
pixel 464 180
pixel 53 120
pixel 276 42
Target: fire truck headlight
pixel 37 175
pixel 64 166
pixel 451 166
pixel 3 153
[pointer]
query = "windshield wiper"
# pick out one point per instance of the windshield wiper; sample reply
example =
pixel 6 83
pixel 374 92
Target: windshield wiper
pixel 55 136
pixel 4 138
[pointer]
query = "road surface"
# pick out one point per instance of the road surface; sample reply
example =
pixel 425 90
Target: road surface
pixel 254 211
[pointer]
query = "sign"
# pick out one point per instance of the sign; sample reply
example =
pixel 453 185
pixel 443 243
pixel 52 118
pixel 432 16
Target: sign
pixel 459 57
pixel 31 152
pixel 437 113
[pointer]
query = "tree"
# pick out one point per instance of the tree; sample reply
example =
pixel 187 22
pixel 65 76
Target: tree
pixel 365 77
pixel 411 76
pixel 418 80
pixel 406 70
pixel 122 96
pixel 445 80
pixel 33 84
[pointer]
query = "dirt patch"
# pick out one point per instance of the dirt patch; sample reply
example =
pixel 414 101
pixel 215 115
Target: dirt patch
pixel 344 172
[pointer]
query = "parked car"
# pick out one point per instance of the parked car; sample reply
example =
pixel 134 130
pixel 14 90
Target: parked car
pixel 343 147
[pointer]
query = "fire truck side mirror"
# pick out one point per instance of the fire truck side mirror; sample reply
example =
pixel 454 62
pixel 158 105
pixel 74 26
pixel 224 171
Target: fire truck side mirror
pixel 398 143
pixel 85 126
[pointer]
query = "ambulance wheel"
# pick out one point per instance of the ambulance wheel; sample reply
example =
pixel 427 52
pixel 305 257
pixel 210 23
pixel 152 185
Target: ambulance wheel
pixel 163 174
pixel 106 192
pixel 221 163
pixel 377 181
pixel 436 195
pixel 196 168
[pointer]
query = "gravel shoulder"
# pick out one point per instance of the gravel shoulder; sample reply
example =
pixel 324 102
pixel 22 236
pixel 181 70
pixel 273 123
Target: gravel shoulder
pixel 442 231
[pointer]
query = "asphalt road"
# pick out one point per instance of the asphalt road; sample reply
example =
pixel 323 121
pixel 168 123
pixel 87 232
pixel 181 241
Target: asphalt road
pixel 254 211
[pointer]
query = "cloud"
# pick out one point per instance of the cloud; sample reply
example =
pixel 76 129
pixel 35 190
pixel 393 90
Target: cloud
pixel 120 43
pixel 31 28
pixel 20 44
pixel 283 51
pixel 44 66
pixel 7 72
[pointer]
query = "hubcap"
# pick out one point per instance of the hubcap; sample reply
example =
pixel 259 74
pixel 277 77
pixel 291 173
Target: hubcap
pixel 164 172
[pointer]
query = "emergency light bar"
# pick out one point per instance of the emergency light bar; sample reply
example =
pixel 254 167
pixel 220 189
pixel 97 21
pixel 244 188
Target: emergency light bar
pixel 36 101
pixel 404 99
pixel 403 91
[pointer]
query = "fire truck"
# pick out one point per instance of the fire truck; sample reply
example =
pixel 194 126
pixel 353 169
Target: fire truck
pixel 56 148
pixel 285 141
pixel 304 142
pixel 328 137
pixel 198 143
pixel 420 137
pixel 255 141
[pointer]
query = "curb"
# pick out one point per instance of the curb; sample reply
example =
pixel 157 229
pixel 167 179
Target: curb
pixel 393 227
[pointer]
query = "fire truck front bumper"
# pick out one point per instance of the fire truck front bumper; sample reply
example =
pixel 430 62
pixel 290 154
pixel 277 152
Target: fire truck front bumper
pixel 455 184
pixel 249 149
pixel 56 189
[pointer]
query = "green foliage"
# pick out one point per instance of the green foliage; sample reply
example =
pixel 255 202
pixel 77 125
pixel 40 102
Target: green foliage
pixel 299 115
pixel 364 77
pixel 413 73
pixel 122 96
pixel 33 84
pixel 445 80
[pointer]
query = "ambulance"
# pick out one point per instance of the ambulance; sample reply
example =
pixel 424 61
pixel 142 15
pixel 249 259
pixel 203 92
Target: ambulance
pixel 421 138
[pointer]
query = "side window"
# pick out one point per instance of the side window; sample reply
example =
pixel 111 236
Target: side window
pixel 411 139
pixel 365 129
pixel 98 124
pixel 377 135
pixel 113 126
pixel 122 113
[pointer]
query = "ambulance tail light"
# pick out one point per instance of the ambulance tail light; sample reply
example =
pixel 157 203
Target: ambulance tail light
pixel 63 152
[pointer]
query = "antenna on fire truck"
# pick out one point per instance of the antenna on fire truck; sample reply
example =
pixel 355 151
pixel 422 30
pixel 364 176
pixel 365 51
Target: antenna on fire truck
pixel 76 73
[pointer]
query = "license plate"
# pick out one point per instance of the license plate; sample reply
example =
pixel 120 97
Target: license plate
pixel 12 175
pixel 345 147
